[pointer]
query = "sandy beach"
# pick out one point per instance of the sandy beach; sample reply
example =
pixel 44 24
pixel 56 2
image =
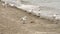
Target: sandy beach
pixel 10 23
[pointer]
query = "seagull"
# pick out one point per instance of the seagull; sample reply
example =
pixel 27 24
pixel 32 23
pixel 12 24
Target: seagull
pixel 23 19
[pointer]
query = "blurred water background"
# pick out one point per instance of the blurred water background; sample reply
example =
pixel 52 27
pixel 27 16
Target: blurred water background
pixel 48 3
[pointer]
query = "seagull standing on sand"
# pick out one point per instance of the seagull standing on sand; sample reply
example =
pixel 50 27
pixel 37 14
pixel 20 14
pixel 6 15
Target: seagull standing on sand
pixel 23 19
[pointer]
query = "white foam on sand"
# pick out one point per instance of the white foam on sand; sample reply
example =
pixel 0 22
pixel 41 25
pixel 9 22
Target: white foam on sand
pixel 42 11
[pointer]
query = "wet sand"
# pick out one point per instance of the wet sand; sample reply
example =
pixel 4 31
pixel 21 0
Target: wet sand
pixel 10 23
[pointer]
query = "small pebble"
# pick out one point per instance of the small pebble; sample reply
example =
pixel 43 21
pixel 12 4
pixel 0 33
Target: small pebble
pixel 32 22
